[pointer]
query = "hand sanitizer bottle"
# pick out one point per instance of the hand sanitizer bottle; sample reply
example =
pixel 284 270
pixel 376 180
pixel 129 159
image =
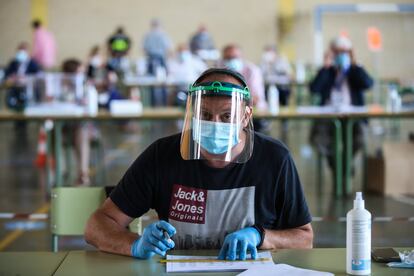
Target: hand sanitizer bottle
pixel 92 100
pixel 273 98
pixel 358 239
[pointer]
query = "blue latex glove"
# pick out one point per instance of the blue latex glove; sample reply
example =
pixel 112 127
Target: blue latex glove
pixel 153 240
pixel 238 243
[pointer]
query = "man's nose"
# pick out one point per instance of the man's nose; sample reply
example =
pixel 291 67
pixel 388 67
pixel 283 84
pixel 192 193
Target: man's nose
pixel 216 119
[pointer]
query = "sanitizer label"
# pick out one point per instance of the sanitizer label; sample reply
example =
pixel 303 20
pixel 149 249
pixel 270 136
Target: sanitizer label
pixel 361 264
pixel 361 236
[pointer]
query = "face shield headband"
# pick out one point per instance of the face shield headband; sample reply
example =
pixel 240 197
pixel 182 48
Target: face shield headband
pixel 218 88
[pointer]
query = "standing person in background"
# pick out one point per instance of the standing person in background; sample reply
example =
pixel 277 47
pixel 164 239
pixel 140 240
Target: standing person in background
pixel 340 83
pixel 277 70
pixel 157 45
pixel 233 59
pixel 201 40
pixel 44 45
pixel 118 47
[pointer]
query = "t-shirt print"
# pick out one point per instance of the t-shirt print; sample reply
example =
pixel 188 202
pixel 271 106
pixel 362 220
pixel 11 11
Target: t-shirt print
pixel 203 218
pixel 188 204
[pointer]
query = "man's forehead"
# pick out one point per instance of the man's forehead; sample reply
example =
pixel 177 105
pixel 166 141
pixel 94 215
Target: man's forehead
pixel 221 78
pixel 218 103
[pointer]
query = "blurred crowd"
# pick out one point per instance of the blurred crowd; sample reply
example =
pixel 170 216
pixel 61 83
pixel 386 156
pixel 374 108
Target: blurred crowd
pixel 169 69
pixel 109 68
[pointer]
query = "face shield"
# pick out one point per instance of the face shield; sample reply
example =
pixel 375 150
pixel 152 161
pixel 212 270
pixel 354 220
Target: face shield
pixel 218 124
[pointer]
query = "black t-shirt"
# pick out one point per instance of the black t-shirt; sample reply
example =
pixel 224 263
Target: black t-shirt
pixel 203 203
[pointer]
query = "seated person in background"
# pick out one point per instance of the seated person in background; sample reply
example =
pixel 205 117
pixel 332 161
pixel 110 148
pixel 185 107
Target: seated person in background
pixel 103 77
pixel 15 75
pixel 21 64
pixel 277 71
pixel 341 82
pixel 184 68
pixel 218 185
pixel 16 80
pixel 95 66
pixel 233 59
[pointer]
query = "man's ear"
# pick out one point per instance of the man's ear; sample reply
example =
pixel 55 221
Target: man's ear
pixel 247 116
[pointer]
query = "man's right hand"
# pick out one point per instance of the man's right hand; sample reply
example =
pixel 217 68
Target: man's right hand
pixel 153 240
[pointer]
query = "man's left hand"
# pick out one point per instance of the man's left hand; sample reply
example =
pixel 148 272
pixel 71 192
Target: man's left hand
pixel 238 243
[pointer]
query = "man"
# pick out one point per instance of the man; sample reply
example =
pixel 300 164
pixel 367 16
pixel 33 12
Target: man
pixel 119 45
pixel 201 40
pixel 218 184
pixel 233 59
pixel 44 45
pixel 16 73
pixel 184 68
pixel 18 82
pixel 21 64
pixel 340 83
pixel 157 45
pixel 277 71
pixel 156 41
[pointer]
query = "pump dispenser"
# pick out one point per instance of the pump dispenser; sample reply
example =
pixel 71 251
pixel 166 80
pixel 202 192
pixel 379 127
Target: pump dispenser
pixel 358 238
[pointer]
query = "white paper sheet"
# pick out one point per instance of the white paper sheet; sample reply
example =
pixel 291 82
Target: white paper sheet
pixel 55 109
pixel 282 269
pixel 215 266
pixel 330 109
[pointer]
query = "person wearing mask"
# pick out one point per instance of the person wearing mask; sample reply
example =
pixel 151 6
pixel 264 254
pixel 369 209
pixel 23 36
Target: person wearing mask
pixel 183 69
pixel 157 46
pixel 201 40
pixel 233 59
pixel 15 75
pixel 119 45
pixel 95 65
pixel 216 185
pixel 22 64
pixel 44 45
pixel 340 83
pixel 277 71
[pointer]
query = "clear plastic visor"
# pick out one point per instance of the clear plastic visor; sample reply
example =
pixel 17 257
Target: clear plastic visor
pixel 217 127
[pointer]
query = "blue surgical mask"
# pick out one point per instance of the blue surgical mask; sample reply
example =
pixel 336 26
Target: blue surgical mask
pixel 184 56
pixel 235 64
pixel 343 61
pixel 22 56
pixel 215 137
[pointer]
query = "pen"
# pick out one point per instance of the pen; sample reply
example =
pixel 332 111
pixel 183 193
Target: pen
pixel 211 260
pixel 167 237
